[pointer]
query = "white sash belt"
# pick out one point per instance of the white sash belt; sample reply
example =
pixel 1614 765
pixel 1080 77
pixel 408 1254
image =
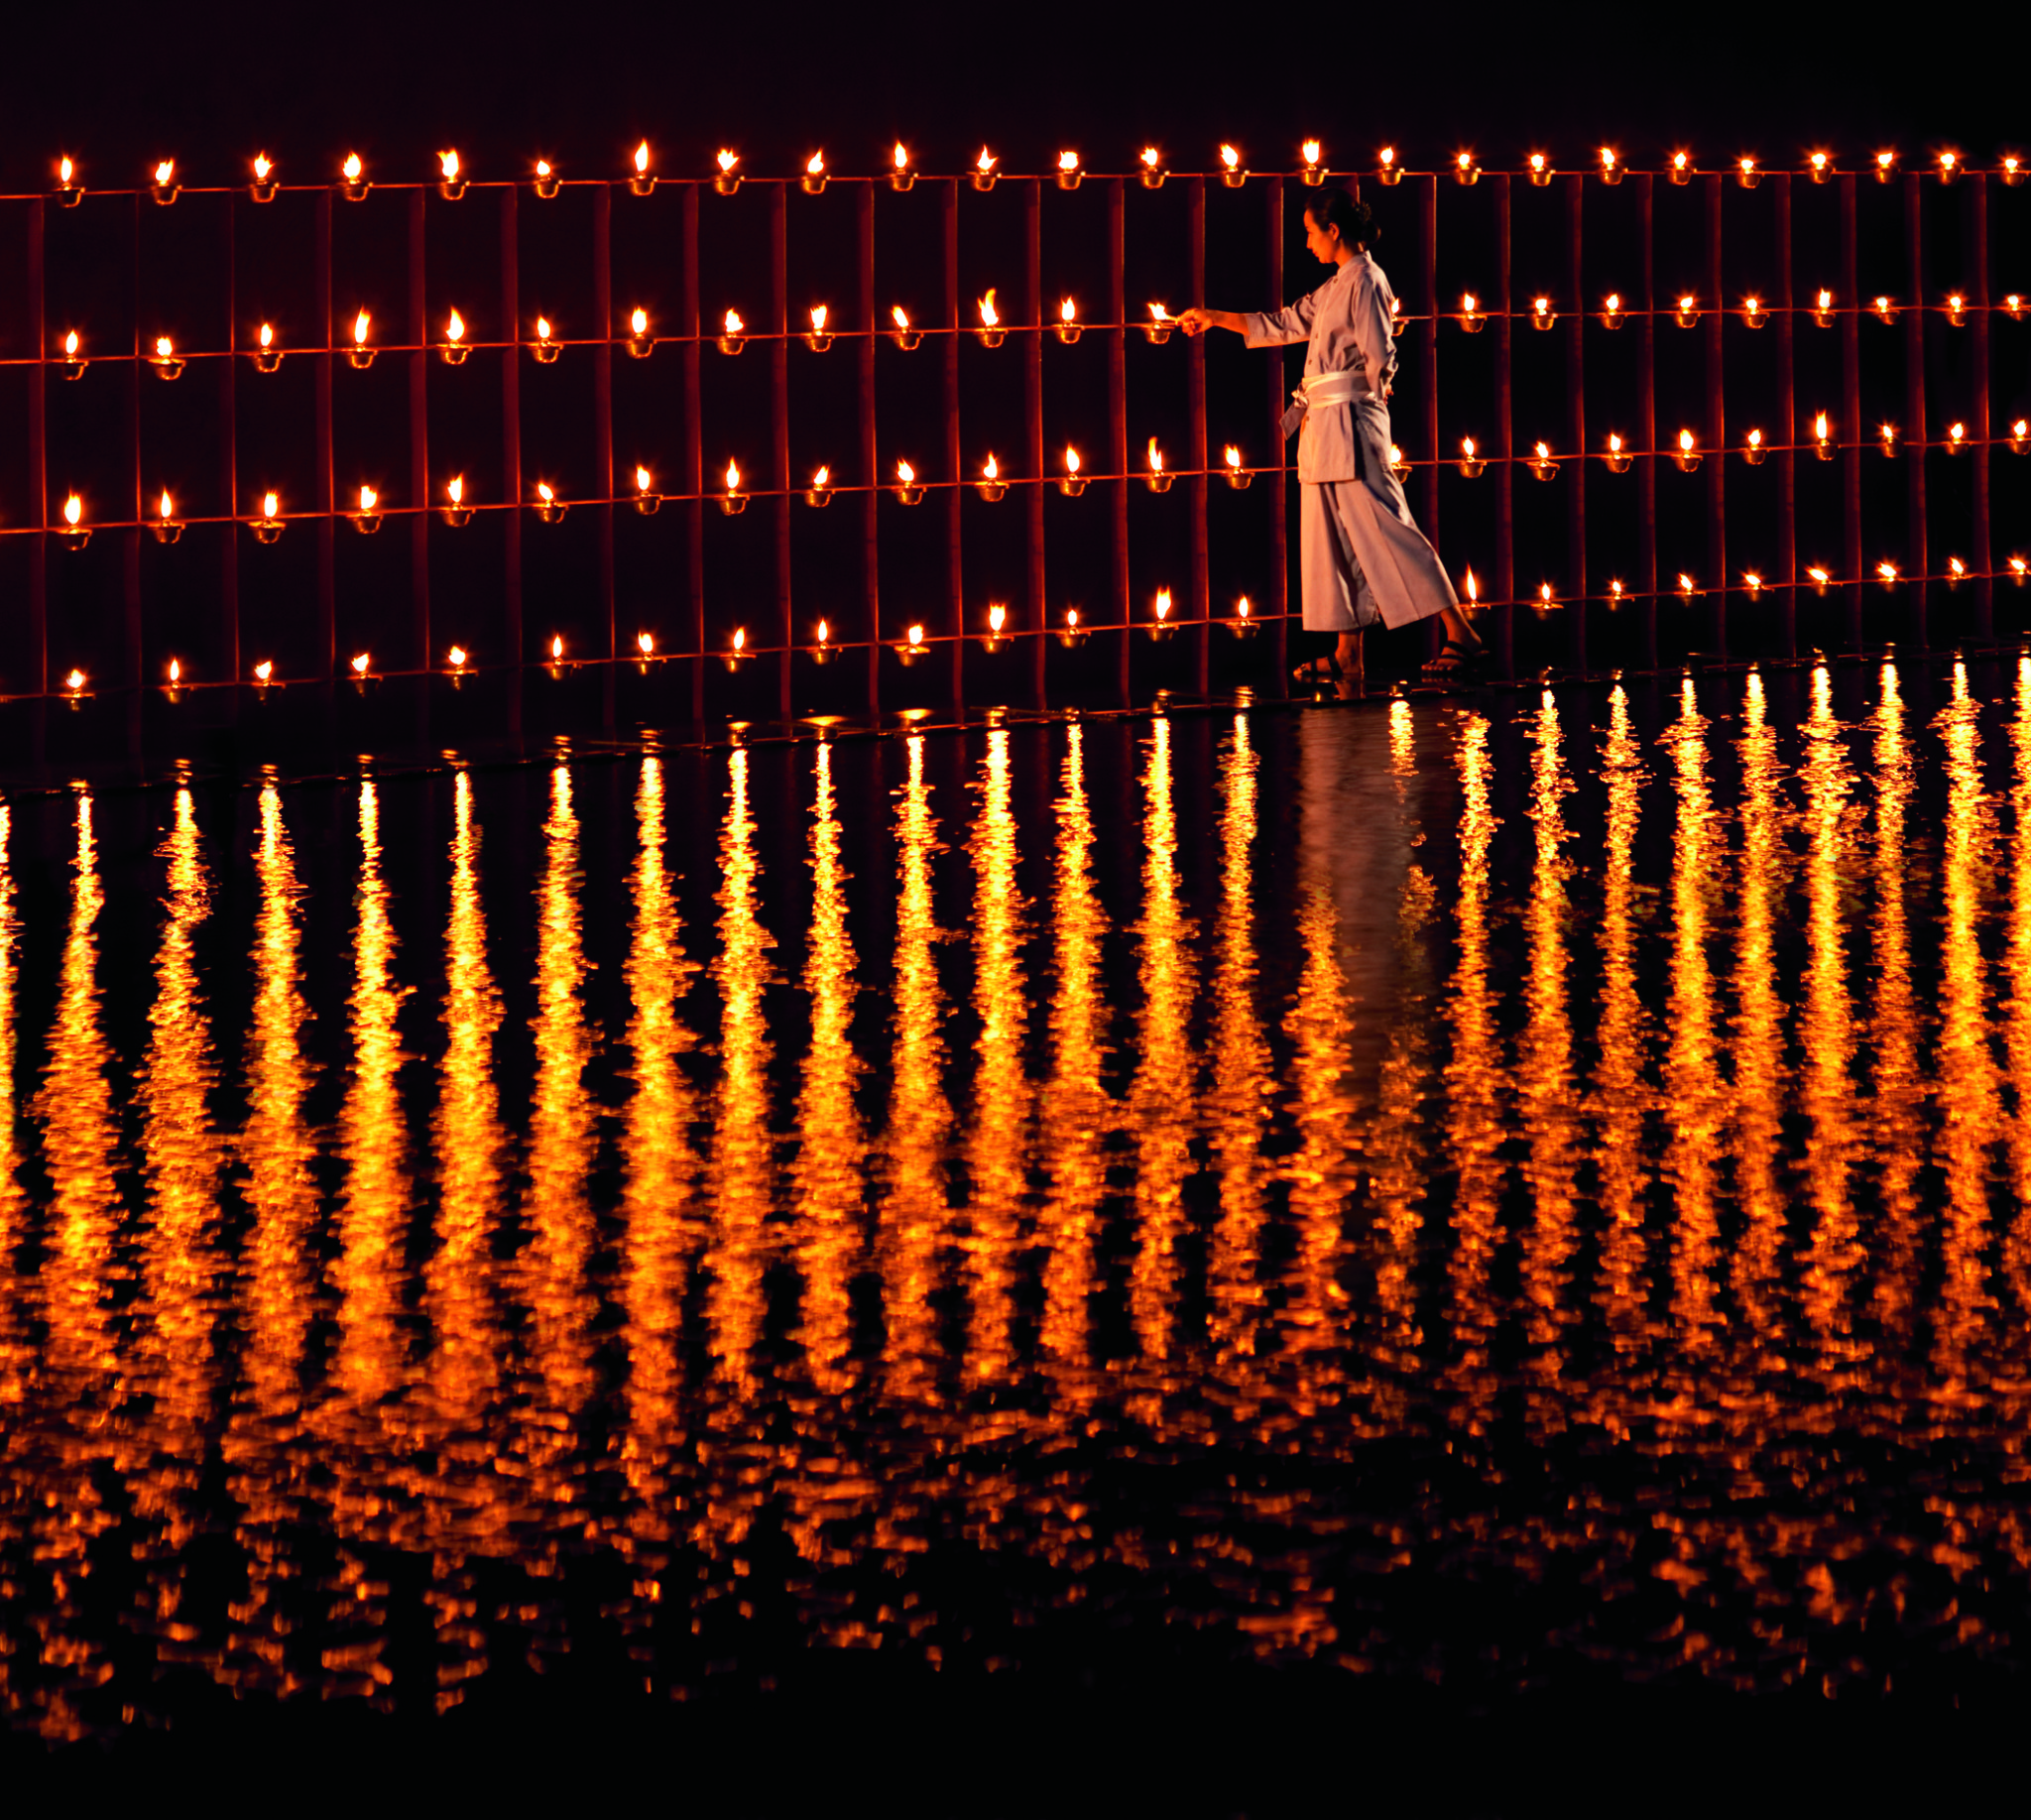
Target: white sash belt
pixel 1318 390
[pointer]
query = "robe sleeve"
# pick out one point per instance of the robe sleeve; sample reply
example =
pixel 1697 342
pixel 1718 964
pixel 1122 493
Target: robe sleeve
pixel 1372 335
pixel 1285 326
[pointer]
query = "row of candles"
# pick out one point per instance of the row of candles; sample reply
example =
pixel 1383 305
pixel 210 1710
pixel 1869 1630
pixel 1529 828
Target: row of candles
pixel 1069 171
pixel 1072 630
pixel 993 484
pixel 734 333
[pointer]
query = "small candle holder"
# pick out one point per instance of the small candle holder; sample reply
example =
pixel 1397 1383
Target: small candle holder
pixel 1399 467
pixel 1068 332
pixel 365 523
pixel 1543 466
pixel 1541 172
pixel 995 639
pixel 167 530
pixel 818 340
pixel 1071 634
pixel 1824 449
pixel 819 496
pixel 1819 166
pixel 1161 631
pixel 165 194
pixel 1472 466
pixel 1957 311
pixel 1887 442
pixel 546 184
pixel 360 358
pixel 1957 440
pixel 1884 310
pixel 812 183
pixel 1071 485
pixel 1313 177
pixel 1465 171
pixel 2019 570
pixel 2011 172
pixel 1159 330
pixel 262 191
pixel 167 366
pixel 983 181
pixel 1158 481
pixel 1234 176
pixel 1243 625
pixel 1610 168
pixel 1472 320
pixel 1746 173
pixel 648 502
pixel 266 529
pixel 2020 436
pixel 458 517
pixel 267 360
pixel 1619 461
pixel 822 651
pixel 641 346
pixel 913 650
pixel 67 196
pixel 1070 179
pixel 1542 315
pixel 1388 172
pixel 991 337
pixel 901 181
pixel 1681 169
pixel 354 189
pixel 1754 451
pixel 1612 314
pixel 1241 478
pixel 2013 307
pixel 643 184
pixel 451 187
pixel 907 338
pixel 1687 313
pixel 990 490
pixel 452 353
pixel 74 536
pixel 733 503
pixel 551 511
pixel 1152 177
pixel 1754 313
pixel 910 492
pixel 1688 461
pixel 545 350
pixel 1823 316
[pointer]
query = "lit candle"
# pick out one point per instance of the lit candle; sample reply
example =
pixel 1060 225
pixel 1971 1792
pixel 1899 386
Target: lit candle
pixel 1753 581
pixel 1163 604
pixel 644 643
pixel 1956 437
pixel 1821 437
pixel 1688 310
pixel 906 336
pixel 360 661
pixel 545 179
pixel 641 183
pixel 1152 167
pixel 998 616
pixel 1540 313
pixel 1687 457
pixel 1818 579
pixel 1159 325
pixel 65 170
pixel 1618 456
pixel 1948 163
pixel 1068 322
pixel 1611 310
pixel 454 350
pixel 1231 160
pixel 983 170
pixel 73 510
pixel 1471 463
pixel 264 670
pixel 360 354
pixel 1885 163
pixel 1541 170
pixel 1544 594
pixel 175 670
pixel 1886 572
pixel 557 649
pixel 1310 151
pixel 1541 464
pixel 354 171
pixel 1470 312
pixel 369 499
pixel 165 184
pixel 907 488
pixel 1957 310
pixel 1685 585
pixel 166 506
pixel 990 330
pixel 1681 167
pixel 1242 608
pixel 900 175
pixel 1614 593
pixel 1611 166
pixel 1752 311
pixel 740 638
pixel 1068 170
pixel 1747 172
pixel 1473 588
pixel 1073 483
pixel 1889 432
pixel 814 173
pixel 1821 165
pixel 1752 448
pixel 449 182
pixel 456 654
pixel 74 681
pixel 1957 570
pixel 1465 170
pixel 270 506
pixel 915 635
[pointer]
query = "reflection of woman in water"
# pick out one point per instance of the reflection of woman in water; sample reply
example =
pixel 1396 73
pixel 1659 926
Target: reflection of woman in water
pixel 1360 556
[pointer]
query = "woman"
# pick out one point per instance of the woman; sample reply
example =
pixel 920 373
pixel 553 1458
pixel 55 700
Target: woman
pixel 1360 556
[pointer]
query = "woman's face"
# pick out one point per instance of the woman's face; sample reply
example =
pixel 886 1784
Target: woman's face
pixel 1323 243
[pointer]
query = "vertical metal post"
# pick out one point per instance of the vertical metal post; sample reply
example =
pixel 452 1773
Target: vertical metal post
pixel 694 461
pixel 325 656
pixel 511 452
pixel 1646 429
pixel 1850 413
pixel 1032 465
pixel 1915 437
pixel 1428 376
pixel 39 459
pixel 1280 555
pixel 1201 610
pixel 228 461
pixel 418 438
pixel 1505 628
pixel 778 388
pixel 1716 434
pixel 955 579
pixel 603 434
pixel 1787 435
pixel 870 479
pixel 1576 434
pixel 1117 423
pixel 1981 559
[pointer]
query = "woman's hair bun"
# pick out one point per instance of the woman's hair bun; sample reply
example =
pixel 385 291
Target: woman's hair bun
pixel 1355 219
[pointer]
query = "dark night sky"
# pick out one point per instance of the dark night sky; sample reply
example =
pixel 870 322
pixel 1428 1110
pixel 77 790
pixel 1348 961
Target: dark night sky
pixel 120 84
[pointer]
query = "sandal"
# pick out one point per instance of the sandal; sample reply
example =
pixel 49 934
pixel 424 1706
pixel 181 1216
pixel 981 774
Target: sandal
pixel 1317 672
pixel 1456 659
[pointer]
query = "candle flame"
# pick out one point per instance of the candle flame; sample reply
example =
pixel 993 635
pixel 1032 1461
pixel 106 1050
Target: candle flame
pixel 76 681
pixel 1543 452
pixel 1233 457
pixel 1544 593
pixel 455 328
pixel 1386 157
pixel 1242 607
pixel 915 635
pixel 454 489
pixel 73 509
pixel 990 471
pixel 556 648
pixel 1155 457
pixel 352 167
pixel 2020 427
pixel 1230 157
pixel 1068 160
pixel 824 631
pixel 1819 575
pixel 1948 159
pixel 1067 312
pixel 1826 300
pixel 1071 616
pixel 1681 160
pixel 900 317
pixel 1537 161
pixel 2018 565
pixel 902 156
pixel 1884 160
pixel 740 638
pixel 264 670
pixel 545 493
pixel 1615 301
pixel 1468 303
pixel 1956 567
pixel 1163 604
pixel 1687 301
pixel 1747 165
pixel 815 164
pixel 1751 580
pixel 642 477
pixel 175 670
pixel 1396 455
pixel 644 643
pixel 64 170
pixel 1957 302
pixel 1159 314
pixel 270 505
pixel 734 324
pixel 1888 570
pixel 267 337
pixel 458 655
pixel 1819 160
pixel 1685 441
pixel 818 314
pixel 166 506
pixel 165 348
pixel 726 161
pixel 987 314
pixel 1614 589
pixel 822 476
pixel 1311 150
pixel 1465 161
pixel 1820 427
pixel 996 615
pixel 542 328
pixel 1071 460
pixel 1685 583
pixel 542 167
pixel 1466 447
pixel 1957 432
pixel 1541 304
pixel 1889 432
pixel 367 499
pixel 986 161
pixel 71 344
pixel 447 161
pixel 361 323
pixel 1608 157
pixel 1614 444
pixel 360 662
pixel 1755 438
pixel 1752 304
pixel 733 477
pixel 1151 156
pixel 164 171
pixel 906 473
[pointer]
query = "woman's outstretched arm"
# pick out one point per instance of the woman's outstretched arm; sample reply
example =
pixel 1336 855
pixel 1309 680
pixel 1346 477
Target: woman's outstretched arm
pixel 1196 321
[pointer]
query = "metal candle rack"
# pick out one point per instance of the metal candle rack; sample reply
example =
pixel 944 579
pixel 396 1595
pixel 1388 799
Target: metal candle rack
pixel 782 648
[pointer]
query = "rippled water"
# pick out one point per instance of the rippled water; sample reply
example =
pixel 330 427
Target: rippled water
pixel 1494 1196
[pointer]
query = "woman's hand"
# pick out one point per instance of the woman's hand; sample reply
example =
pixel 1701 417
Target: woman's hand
pixel 1196 321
